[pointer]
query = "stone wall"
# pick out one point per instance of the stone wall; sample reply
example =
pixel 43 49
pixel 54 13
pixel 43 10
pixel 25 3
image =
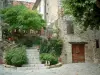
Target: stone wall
pixel 51 11
pixel 92 54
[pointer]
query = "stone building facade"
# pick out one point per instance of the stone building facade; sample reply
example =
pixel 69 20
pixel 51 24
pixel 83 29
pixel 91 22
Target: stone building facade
pixel 49 11
pixel 79 46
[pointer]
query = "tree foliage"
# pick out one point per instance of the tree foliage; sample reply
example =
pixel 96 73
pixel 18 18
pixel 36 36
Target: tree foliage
pixel 20 21
pixel 86 12
pixel 22 18
pixel 53 46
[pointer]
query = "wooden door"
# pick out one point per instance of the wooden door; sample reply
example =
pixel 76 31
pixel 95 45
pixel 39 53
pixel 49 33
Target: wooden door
pixel 78 53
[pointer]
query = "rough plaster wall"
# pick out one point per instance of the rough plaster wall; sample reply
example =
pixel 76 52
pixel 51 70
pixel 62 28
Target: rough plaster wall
pixel 91 53
pixel 61 33
pixel 52 10
pixel 67 51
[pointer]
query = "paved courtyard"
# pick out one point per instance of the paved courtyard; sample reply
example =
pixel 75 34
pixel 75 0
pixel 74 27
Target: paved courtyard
pixel 68 69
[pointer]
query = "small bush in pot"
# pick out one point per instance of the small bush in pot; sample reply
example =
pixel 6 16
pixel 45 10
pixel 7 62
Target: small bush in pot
pixel 48 57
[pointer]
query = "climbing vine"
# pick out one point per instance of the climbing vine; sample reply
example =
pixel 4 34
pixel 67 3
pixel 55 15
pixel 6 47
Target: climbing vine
pixel 86 12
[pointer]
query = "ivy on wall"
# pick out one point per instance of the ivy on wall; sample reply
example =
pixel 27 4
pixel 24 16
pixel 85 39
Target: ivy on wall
pixel 86 12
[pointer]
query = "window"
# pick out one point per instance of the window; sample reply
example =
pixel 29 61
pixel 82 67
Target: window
pixel 97 43
pixel 70 28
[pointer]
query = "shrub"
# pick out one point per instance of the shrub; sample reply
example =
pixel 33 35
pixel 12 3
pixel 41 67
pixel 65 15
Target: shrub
pixel 37 40
pixel 30 41
pixel 16 56
pixel 56 45
pixel 53 46
pixel 48 57
pixel 44 47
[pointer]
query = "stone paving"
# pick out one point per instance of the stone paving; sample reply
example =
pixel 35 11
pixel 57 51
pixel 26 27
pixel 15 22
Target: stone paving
pixel 68 69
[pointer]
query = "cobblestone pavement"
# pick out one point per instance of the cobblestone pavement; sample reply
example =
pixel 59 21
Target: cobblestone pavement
pixel 68 69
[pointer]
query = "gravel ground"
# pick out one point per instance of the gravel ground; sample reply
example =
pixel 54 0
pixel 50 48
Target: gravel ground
pixel 67 69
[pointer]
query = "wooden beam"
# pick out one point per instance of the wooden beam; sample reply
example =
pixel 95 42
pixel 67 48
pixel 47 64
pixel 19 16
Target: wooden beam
pixel 78 42
pixel 36 4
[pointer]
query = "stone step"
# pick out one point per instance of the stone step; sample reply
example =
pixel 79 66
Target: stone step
pixel 32 51
pixel 36 57
pixel 33 59
pixel 33 56
pixel 29 68
pixel 34 65
pixel 34 62
pixel 32 48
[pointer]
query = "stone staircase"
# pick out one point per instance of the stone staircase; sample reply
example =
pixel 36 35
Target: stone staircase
pixel 33 65
pixel 33 56
pixel 33 61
